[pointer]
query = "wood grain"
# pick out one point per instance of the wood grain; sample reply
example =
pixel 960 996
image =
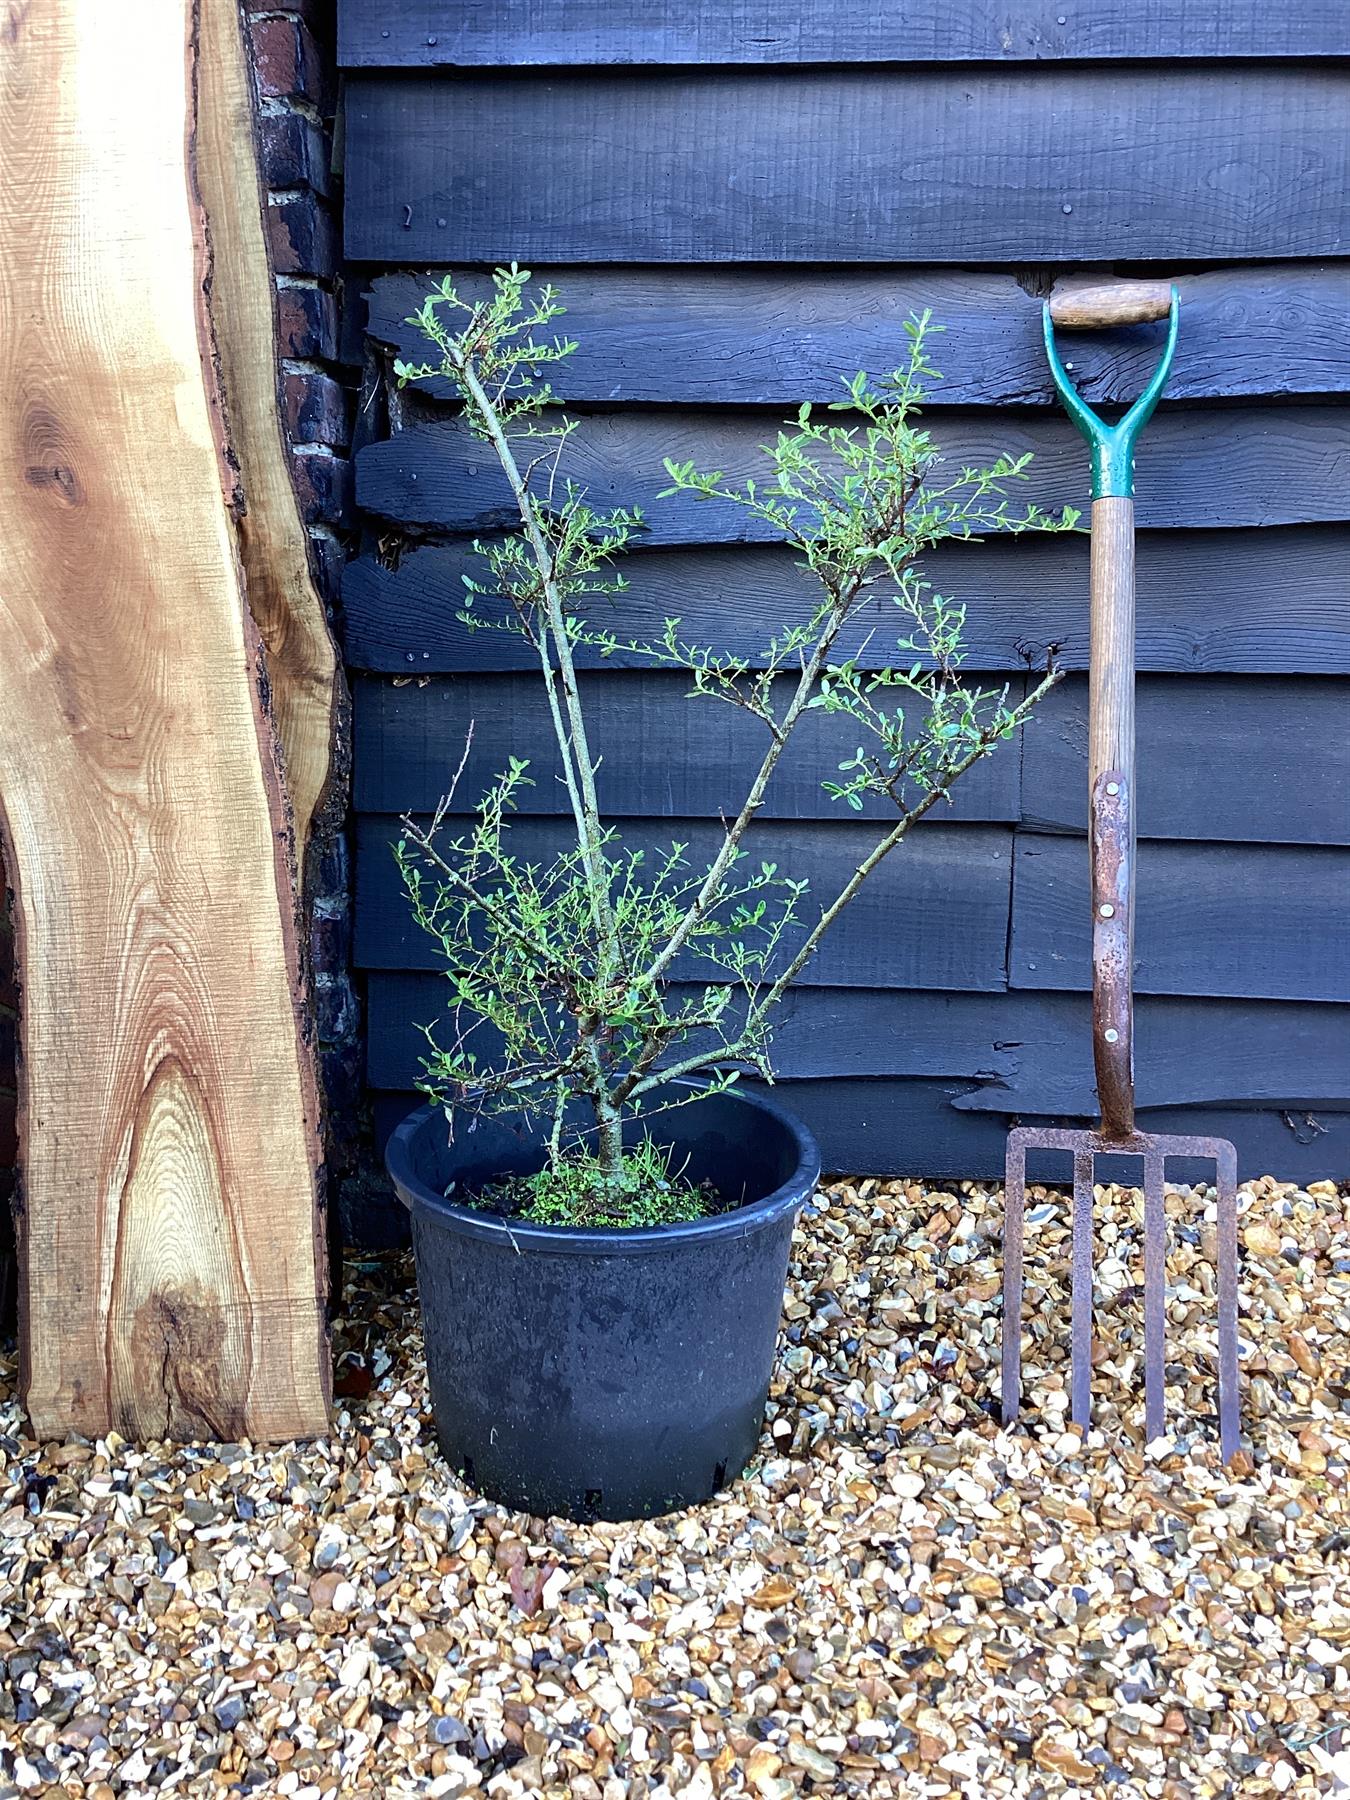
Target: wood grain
pixel 1025 1052
pixel 731 239
pixel 1204 603
pixel 916 1128
pixel 1110 903
pixel 1082 303
pixel 732 336
pixel 1046 163
pixel 302 663
pixel 935 914
pixel 173 1280
pixel 662 754
pixel 820 1032
pixel 1220 759
pixel 1111 650
pixel 431 33
pixel 1209 767
pixel 1275 465
pixel 1263 921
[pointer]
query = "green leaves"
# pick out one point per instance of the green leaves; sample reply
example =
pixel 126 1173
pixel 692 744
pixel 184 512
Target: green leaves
pixel 596 974
pixel 644 1190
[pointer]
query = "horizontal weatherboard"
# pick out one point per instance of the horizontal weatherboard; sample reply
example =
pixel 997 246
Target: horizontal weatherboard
pixel 1208 766
pixel 1275 465
pixel 662 753
pixel 914 1127
pixel 933 915
pixel 904 1127
pixel 1025 1052
pixel 1256 921
pixel 731 336
pixel 428 33
pixel 1235 760
pixel 1038 163
pixel 1204 602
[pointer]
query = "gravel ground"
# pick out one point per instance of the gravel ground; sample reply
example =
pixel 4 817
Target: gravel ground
pixel 899 1599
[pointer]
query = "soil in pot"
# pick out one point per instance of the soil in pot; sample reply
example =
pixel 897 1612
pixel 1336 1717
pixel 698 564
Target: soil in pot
pixel 601 1373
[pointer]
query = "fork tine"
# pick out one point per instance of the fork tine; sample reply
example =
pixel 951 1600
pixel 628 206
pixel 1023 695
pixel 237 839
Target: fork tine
pixel 1081 1327
pixel 1155 1294
pixel 1014 1209
pixel 1226 1186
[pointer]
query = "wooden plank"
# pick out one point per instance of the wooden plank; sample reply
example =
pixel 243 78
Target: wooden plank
pixel 1027 1052
pixel 1188 1052
pixel 1242 760
pixel 1260 922
pixel 302 663
pixel 1219 758
pixel 849 165
pixel 934 915
pixel 914 1128
pixel 393 34
pixel 882 1127
pixel 663 754
pixel 1277 465
pixel 917 1128
pixel 173 1276
pixel 751 337
pixel 820 1032
pixel 1203 603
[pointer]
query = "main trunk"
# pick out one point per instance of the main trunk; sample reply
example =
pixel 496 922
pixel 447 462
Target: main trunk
pixel 609 1139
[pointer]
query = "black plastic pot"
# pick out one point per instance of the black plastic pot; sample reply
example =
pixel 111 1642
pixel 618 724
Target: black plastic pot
pixel 603 1374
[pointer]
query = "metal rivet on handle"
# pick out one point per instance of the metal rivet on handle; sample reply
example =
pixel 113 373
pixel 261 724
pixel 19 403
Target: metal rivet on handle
pixel 1111 1035
pixel 1113 787
pixel 1106 910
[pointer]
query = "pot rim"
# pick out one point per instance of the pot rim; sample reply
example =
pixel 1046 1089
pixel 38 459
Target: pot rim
pixel 587 1240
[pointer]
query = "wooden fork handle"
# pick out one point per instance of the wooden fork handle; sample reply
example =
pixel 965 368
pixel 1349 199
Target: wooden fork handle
pixel 1111 808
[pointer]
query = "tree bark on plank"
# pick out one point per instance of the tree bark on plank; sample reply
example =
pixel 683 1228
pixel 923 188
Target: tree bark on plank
pixel 308 692
pixel 172 1257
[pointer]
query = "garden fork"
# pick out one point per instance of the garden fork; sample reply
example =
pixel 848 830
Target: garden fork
pixel 1112 855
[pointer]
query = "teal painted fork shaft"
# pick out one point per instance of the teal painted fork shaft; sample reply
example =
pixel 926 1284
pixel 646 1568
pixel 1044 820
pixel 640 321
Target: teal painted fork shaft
pixel 1112 446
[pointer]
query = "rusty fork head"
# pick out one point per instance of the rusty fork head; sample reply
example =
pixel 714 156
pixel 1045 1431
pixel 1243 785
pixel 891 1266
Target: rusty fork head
pixel 1112 890
pixel 1155 1149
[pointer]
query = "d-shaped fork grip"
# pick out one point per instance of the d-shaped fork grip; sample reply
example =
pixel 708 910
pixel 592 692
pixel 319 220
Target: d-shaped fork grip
pixel 1112 446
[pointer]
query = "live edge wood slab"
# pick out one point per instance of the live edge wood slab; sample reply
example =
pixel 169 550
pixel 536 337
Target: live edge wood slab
pixel 307 690
pixel 172 1279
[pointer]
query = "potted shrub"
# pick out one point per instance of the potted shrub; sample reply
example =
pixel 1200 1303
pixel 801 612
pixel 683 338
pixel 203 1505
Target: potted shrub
pixel 601 1212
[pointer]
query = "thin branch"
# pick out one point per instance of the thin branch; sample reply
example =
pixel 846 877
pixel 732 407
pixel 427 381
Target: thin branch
pixel 709 889
pixel 585 806
pixel 486 904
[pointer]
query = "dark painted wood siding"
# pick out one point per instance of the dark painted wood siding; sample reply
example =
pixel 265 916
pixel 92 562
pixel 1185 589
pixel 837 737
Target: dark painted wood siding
pixel 740 205
pixel 426 34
